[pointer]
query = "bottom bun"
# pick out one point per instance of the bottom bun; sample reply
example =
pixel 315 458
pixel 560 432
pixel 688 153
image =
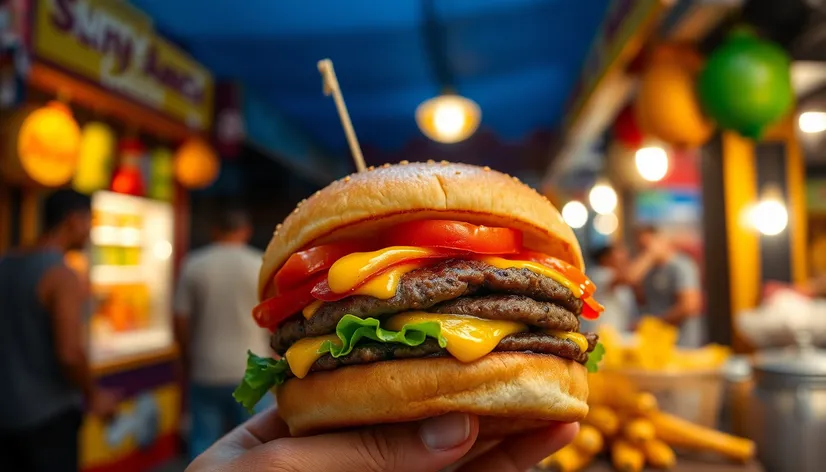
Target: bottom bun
pixel 512 392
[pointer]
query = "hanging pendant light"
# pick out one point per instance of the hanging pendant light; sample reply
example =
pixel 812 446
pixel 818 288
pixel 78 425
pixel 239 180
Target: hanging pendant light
pixel 448 118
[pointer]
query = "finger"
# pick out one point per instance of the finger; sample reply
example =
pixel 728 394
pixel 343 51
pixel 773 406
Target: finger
pixel 262 428
pixel 520 453
pixel 267 426
pixel 479 448
pixel 427 446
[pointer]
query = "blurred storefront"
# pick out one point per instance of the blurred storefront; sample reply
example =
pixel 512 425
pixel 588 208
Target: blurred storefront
pixel 708 122
pixel 94 98
pixel 657 125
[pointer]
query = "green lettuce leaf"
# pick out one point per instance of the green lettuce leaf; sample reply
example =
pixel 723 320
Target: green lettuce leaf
pixel 594 357
pixel 264 373
pixel 352 329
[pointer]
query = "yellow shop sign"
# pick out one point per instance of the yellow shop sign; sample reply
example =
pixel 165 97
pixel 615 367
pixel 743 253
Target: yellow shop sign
pixel 110 43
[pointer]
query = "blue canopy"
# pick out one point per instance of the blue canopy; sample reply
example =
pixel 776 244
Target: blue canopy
pixel 518 59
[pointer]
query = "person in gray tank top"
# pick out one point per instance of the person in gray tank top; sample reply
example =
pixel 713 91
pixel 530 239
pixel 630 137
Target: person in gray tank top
pixel 42 351
pixel 669 283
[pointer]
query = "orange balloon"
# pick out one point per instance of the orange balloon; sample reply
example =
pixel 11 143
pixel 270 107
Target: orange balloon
pixel 46 142
pixel 196 164
pixel 666 106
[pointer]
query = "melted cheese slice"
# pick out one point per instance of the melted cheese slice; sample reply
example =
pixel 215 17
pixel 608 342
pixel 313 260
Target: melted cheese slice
pixel 536 268
pixel 577 338
pixel 304 353
pixel 384 285
pixel 468 338
pixel 353 269
pixel 310 309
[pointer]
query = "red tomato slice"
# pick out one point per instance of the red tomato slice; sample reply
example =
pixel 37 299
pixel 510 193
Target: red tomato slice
pixel 591 309
pixel 323 292
pixel 442 234
pixel 302 265
pixel 455 235
pixel 273 311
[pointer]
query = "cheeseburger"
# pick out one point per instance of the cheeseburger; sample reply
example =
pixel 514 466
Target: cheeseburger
pixel 414 290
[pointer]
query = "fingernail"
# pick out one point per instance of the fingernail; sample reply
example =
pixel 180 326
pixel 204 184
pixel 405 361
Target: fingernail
pixel 446 431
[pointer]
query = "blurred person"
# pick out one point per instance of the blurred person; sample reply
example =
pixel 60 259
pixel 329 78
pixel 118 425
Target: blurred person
pixel 43 357
pixel 669 285
pixel 615 295
pixel 263 444
pixel 217 290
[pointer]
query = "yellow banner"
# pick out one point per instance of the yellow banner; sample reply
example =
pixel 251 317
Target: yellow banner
pixel 112 44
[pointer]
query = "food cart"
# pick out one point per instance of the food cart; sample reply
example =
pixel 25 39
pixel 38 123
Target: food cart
pixel 128 99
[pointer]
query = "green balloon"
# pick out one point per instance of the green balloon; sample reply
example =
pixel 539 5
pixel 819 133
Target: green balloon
pixel 746 84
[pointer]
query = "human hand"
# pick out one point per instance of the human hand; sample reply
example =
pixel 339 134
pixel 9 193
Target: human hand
pixel 104 403
pixel 264 444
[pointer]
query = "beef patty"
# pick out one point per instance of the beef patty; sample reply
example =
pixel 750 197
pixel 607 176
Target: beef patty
pixel 521 342
pixel 533 299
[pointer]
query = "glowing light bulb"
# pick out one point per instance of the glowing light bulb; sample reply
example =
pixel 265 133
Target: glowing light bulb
pixel 652 163
pixel 812 122
pixel 575 214
pixel 162 250
pixel 769 216
pixel 603 198
pixel 606 224
pixel 449 119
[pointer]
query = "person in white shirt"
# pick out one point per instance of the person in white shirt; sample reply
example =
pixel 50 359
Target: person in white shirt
pixel 216 293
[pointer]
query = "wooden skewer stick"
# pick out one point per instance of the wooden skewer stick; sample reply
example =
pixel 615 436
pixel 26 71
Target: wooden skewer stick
pixel 328 75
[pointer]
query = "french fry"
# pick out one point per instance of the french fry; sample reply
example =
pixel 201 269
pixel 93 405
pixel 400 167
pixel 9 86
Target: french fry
pixel 680 433
pixel 589 440
pixel 567 459
pixel 638 431
pixel 620 392
pixel 644 402
pixel 626 457
pixel 631 402
pixel 603 419
pixel 659 454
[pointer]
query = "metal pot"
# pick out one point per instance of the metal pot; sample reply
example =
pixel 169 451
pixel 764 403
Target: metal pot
pixel 736 393
pixel 787 411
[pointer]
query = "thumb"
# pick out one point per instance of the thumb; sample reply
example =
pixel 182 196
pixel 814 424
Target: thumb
pixel 413 447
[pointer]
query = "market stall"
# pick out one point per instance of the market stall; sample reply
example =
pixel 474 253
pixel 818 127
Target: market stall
pixel 680 138
pixel 676 128
pixel 107 106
